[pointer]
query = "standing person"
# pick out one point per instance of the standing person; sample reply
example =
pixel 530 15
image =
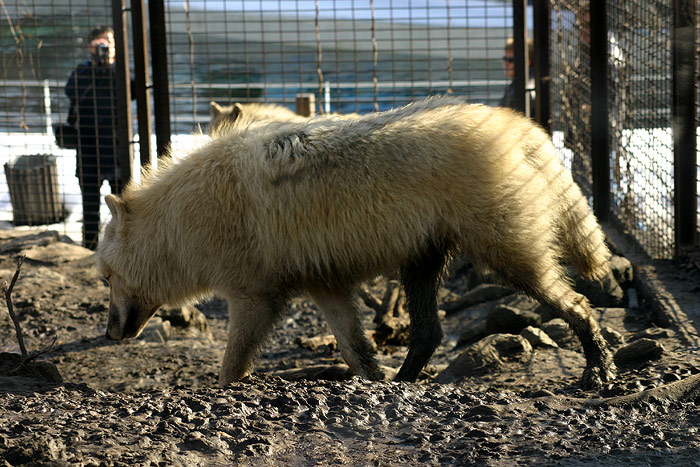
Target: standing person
pixel 508 99
pixel 91 89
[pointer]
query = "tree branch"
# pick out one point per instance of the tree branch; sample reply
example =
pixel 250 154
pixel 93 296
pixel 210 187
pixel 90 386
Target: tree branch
pixel 8 297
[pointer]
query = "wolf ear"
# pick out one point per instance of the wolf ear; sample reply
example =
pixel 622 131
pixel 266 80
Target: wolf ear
pixel 117 207
pixel 215 109
pixel 235 112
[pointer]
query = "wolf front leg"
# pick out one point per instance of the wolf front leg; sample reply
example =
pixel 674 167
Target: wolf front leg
pixel 251 318
pixel 420 279
pixel 342 314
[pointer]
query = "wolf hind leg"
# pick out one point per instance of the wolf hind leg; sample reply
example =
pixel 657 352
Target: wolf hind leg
pixel 577 312
pixel 343 316
pixel 251 318
pixel 420 279
pixel 543 278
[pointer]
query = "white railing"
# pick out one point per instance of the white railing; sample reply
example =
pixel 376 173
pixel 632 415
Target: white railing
pixel 328 86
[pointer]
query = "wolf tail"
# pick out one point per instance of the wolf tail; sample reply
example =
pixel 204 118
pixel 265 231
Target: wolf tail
pixel 582 238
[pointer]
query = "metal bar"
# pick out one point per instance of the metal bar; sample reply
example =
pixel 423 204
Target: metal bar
pixel 141 80
pixel 123 88
pixel 375 55
pixel 498 83
pixel 520 55
pixel 541 26
pixel 159 63
pixel 684 101
pixel 600 153
pixel 319 61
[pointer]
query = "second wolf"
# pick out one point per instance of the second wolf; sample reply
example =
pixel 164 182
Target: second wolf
pixel 238 115
pixel 264 211
pixel 223 117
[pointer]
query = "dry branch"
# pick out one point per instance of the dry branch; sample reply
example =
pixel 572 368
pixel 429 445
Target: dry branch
pixel 8 297
pixel 7 290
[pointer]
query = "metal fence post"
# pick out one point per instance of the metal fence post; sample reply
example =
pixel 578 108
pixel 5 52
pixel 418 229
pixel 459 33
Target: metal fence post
pixel 684 123
pixel 600 150
pixel 159 63
pixel 141 80
pixel 123 87
pixel 542 24
pixel 520 55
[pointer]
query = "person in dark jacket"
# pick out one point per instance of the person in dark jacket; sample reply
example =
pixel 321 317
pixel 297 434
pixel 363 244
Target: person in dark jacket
pixel 91 89
pixel 508 98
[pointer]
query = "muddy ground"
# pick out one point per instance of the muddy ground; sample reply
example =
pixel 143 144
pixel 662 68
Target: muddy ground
pixel 154 400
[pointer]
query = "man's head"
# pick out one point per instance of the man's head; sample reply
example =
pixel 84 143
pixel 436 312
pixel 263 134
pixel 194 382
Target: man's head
pixel 508 57
pixel 101 46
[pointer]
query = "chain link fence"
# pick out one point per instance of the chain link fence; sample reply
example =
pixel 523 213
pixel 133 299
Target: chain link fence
pixel 571 88
pixel 641 120
pixel 639 96
pixel 354 57
pixel 42 44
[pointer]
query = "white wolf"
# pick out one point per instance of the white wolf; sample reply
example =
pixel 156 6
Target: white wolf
pixel 264 211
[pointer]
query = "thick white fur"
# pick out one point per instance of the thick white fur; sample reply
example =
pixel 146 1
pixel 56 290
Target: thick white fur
pixel 325 204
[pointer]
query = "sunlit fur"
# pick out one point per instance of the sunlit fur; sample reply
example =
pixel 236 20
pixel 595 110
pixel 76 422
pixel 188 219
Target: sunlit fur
pixel 266 210
pixel 223 117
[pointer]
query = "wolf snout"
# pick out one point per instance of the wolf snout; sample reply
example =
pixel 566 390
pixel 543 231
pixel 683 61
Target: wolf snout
pixel 114 330
pixel 120 323
pixel 118 332
pixel 128 321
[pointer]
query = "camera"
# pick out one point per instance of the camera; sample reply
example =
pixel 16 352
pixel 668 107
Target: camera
pixel 101 56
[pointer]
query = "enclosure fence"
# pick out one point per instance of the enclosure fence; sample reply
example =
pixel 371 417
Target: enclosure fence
pixel 355 57
pixel 173 59
pixel 642 78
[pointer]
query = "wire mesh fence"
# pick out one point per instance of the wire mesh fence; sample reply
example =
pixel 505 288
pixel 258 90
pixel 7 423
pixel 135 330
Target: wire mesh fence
pixel 640 121
pixel 354 57
pixel 45 48
pixel 571 88
pixel 639 96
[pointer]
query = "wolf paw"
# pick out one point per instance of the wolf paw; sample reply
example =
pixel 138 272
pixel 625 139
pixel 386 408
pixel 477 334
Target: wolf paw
pixel 595 376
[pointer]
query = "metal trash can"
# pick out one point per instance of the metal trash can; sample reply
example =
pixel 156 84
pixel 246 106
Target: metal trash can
pixel 33 185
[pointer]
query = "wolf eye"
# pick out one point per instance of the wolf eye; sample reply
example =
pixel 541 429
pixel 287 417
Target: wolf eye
pixel 105 281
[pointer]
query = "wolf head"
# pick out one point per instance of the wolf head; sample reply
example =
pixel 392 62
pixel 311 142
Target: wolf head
pixel 130 303
pixel 224 117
